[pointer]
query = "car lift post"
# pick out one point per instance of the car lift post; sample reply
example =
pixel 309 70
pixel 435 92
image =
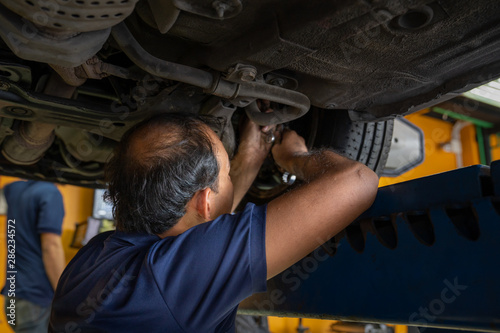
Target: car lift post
pixel 426 254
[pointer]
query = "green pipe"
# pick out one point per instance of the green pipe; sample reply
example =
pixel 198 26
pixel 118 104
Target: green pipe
pixel 454 115
pixel 479 126
pixel 480 143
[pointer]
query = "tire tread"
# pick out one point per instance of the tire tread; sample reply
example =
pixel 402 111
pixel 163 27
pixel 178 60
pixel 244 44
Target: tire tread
pixel 368 143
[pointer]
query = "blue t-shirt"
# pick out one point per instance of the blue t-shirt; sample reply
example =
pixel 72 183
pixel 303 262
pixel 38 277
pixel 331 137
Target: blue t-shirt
pixel 192 282
pixel 36 207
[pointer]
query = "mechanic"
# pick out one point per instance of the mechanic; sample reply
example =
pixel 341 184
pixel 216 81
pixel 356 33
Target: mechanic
pixel 35 255
pixel 178 261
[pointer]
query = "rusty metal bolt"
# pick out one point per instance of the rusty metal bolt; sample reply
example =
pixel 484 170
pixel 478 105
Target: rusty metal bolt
pixel 247 74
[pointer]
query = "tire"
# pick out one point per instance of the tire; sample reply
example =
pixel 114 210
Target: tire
pixel 365 142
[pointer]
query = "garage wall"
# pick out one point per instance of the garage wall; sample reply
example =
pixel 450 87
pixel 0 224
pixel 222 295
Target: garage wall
pixel 436 133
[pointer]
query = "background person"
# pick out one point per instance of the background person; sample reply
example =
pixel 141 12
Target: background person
pixel 38 211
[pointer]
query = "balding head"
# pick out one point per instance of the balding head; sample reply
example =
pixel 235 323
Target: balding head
pixel 157 168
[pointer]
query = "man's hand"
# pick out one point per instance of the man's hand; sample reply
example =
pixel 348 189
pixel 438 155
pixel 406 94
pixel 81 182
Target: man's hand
pixel 290 146
pixel 252 143
pixel 245 165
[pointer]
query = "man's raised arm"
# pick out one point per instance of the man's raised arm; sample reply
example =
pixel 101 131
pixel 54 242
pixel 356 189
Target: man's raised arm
pixel 336 191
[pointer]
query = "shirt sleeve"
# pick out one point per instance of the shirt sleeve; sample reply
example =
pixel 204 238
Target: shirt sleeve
pixel 205 272
pixel 50 211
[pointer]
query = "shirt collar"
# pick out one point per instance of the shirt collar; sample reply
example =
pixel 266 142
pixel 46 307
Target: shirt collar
pixel 135 238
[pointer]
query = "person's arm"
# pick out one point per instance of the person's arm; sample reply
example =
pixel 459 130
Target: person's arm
pixel 52 256
pixel 245 165
pixel 336 191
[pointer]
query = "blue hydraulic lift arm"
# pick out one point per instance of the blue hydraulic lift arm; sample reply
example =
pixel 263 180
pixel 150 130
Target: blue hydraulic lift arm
pixel 425 254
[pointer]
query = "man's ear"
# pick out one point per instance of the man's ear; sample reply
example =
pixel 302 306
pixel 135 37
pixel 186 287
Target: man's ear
pixel 202 203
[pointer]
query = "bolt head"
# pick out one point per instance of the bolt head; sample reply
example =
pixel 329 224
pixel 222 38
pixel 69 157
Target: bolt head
pixel 247 74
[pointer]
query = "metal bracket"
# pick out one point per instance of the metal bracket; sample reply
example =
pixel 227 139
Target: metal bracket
pixel 216 108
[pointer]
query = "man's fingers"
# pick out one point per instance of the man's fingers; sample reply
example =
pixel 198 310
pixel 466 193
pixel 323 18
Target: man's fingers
pixel 290 145
pixel 283 132
pixel 269 128
pixel 270 137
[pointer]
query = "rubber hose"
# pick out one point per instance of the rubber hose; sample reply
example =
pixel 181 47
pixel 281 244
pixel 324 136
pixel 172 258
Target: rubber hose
pixel 156 66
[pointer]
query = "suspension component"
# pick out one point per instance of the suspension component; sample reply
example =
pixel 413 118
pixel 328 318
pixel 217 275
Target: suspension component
pixel 30 140
pixel 240 93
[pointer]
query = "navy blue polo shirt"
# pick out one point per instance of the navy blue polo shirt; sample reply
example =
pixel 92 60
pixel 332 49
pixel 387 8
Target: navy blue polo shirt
pixel 192 282
pixel 36 207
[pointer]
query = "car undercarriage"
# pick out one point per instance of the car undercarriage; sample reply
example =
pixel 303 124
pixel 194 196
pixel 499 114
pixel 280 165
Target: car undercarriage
pixel 76 74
